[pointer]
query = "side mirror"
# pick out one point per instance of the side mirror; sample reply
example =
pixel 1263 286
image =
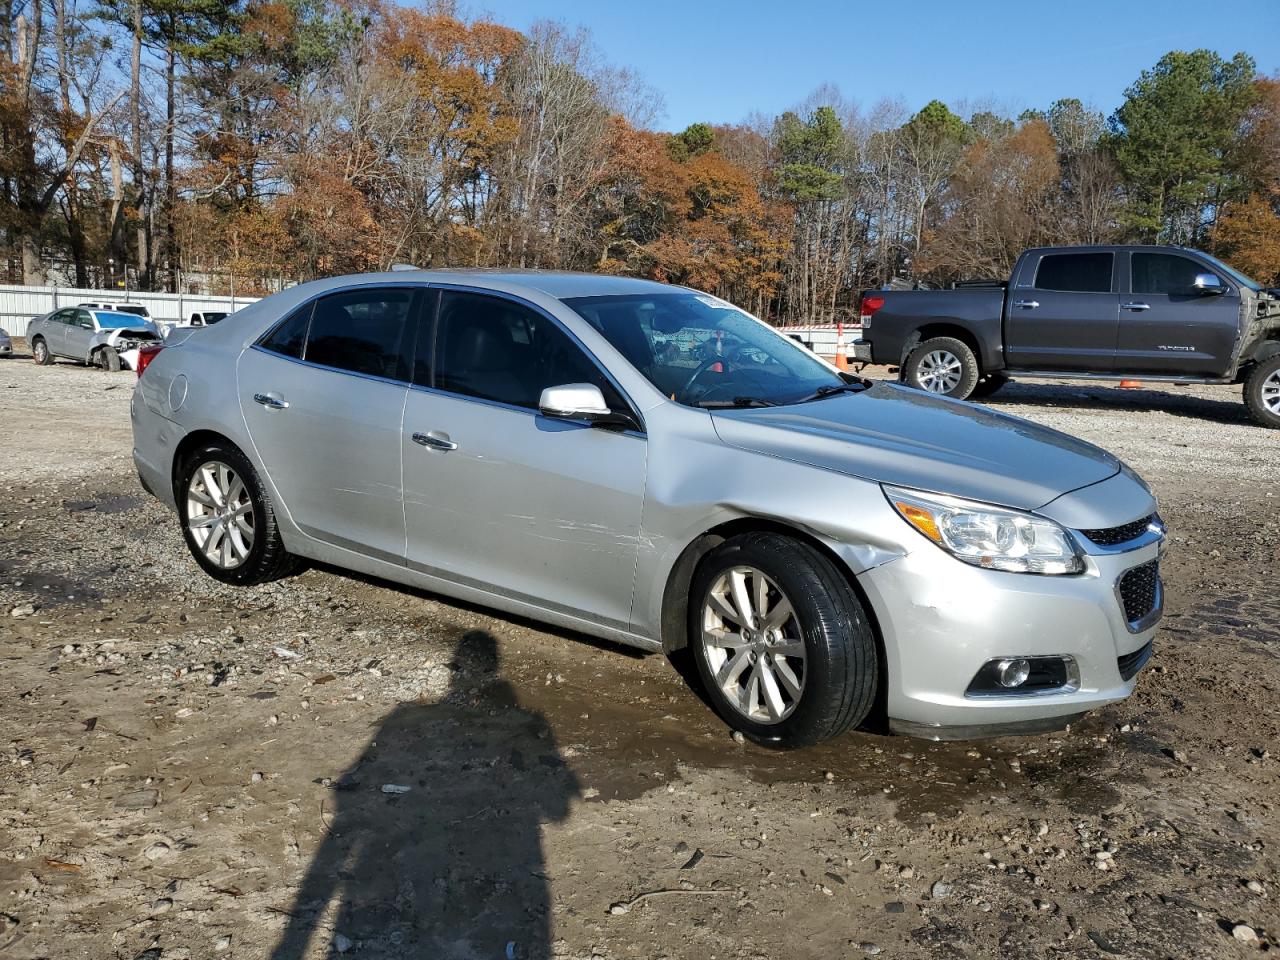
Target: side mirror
pixel 87 324
pixel 1208 284
pixel 583 402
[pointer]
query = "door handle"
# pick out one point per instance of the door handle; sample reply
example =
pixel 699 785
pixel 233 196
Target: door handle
pixel 436 440
pixel 1139 307
pixel 271 400
pixel 1027 304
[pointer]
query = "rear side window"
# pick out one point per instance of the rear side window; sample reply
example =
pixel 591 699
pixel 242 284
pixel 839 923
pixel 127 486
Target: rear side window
pixel 1075 272
pixel 290 335
pixel 1165 273
pixel 362 331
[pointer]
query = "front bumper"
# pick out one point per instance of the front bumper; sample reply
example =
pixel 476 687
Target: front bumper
pixel 942 619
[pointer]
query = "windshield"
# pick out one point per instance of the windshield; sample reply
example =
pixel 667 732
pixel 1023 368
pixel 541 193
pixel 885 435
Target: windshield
pixel 1233 273
pixel 114 321
pixel 701 351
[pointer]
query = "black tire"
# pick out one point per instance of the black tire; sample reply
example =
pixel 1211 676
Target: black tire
pixel 840 670
pixel 918 370
pixel 1260 394
pixel 108 359
pixel 988 385
pixel 40 352
pixel 267 558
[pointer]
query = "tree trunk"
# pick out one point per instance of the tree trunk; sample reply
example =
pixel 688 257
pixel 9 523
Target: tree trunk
pixel 139 165
pixel 170 189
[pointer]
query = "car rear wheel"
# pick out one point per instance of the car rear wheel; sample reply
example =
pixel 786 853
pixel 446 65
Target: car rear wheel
pixel 40 352
pixel 943 365
pixel 1262 392
pixel 228 519
pixel 783 646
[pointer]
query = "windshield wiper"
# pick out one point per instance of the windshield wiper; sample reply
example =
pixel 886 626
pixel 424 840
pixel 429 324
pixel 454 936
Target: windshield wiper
pixel 831 389
pixel 735 402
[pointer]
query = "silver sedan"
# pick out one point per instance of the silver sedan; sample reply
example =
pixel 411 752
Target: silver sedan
pixel 652 465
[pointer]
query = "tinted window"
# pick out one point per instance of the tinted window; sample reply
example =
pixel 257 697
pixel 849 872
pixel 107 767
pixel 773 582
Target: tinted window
pixel 495 349
pixel 362 331
pixel 1076 272
pixel 289 336
pixel 1164 273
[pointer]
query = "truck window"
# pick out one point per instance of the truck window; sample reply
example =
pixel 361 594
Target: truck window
pixel 1075 272
pixel 1164 273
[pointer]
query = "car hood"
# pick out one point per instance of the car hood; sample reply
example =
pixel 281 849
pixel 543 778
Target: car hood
pixel 891 434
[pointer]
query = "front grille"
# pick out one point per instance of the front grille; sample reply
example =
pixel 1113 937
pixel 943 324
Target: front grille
pixel 1131 663
pixel 1114 536
pixel 1140 590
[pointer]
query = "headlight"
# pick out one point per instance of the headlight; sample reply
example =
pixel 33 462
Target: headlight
pixel 987 536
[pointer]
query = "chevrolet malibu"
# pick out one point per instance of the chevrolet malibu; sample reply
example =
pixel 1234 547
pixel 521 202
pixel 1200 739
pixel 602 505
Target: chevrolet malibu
pixel 651 465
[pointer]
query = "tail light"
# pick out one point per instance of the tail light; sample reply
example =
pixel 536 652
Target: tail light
pixel 146 354
pixel 871 302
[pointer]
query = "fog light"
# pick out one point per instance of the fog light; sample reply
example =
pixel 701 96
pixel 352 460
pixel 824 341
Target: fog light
pixel 1013 673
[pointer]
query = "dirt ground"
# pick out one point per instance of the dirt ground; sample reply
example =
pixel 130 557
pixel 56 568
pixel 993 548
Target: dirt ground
pixel 336 766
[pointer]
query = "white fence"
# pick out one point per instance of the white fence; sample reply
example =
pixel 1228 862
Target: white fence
pixel 821 337
pixel 18 305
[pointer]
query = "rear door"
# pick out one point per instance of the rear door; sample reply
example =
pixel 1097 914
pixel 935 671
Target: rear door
pixel 1167 326
pixel 1063 313
pixel 323 396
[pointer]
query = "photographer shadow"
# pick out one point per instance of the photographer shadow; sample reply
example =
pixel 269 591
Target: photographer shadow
pixel 452 866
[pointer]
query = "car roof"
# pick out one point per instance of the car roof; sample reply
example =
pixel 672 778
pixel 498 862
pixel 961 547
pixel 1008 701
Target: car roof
pixel 561 284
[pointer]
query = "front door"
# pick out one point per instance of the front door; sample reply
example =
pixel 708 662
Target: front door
pixel 323 395
pixel 501 498
pixel 1065 315
pixel 80 330
pixel 1167 326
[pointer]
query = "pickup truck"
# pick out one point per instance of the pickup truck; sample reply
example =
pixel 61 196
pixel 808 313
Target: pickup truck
pixel 1100 312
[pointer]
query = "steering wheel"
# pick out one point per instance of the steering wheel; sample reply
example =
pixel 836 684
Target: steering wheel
pixel 703 367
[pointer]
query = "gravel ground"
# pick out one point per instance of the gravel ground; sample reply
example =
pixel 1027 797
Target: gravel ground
pixel 332 765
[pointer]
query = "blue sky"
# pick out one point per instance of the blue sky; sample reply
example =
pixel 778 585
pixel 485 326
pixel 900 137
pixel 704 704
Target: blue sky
pixel 717 61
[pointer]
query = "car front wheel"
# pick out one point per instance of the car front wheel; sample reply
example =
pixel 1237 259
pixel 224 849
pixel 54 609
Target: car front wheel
pixel 783 646
pixel 228 519
pixel 943 365
pixel 40 352
pixel 1262 392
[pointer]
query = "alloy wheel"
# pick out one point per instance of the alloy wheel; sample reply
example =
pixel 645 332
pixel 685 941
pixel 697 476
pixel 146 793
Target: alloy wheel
pixel 39 351
pixel 1271 393
pixel 940 371
pixel 752 642
pixel 220 514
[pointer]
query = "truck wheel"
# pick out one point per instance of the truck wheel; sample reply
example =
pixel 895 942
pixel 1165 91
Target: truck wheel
pixel 40 352
pixel 1262 392
pixel 108 359
pixel 783 646
pixel 942 365
pixel 988 385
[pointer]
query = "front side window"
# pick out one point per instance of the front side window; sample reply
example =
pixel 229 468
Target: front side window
pixel 362 331
pixel 701 351
pixel 1075 272
pixel 1165 273
pixel 495 349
